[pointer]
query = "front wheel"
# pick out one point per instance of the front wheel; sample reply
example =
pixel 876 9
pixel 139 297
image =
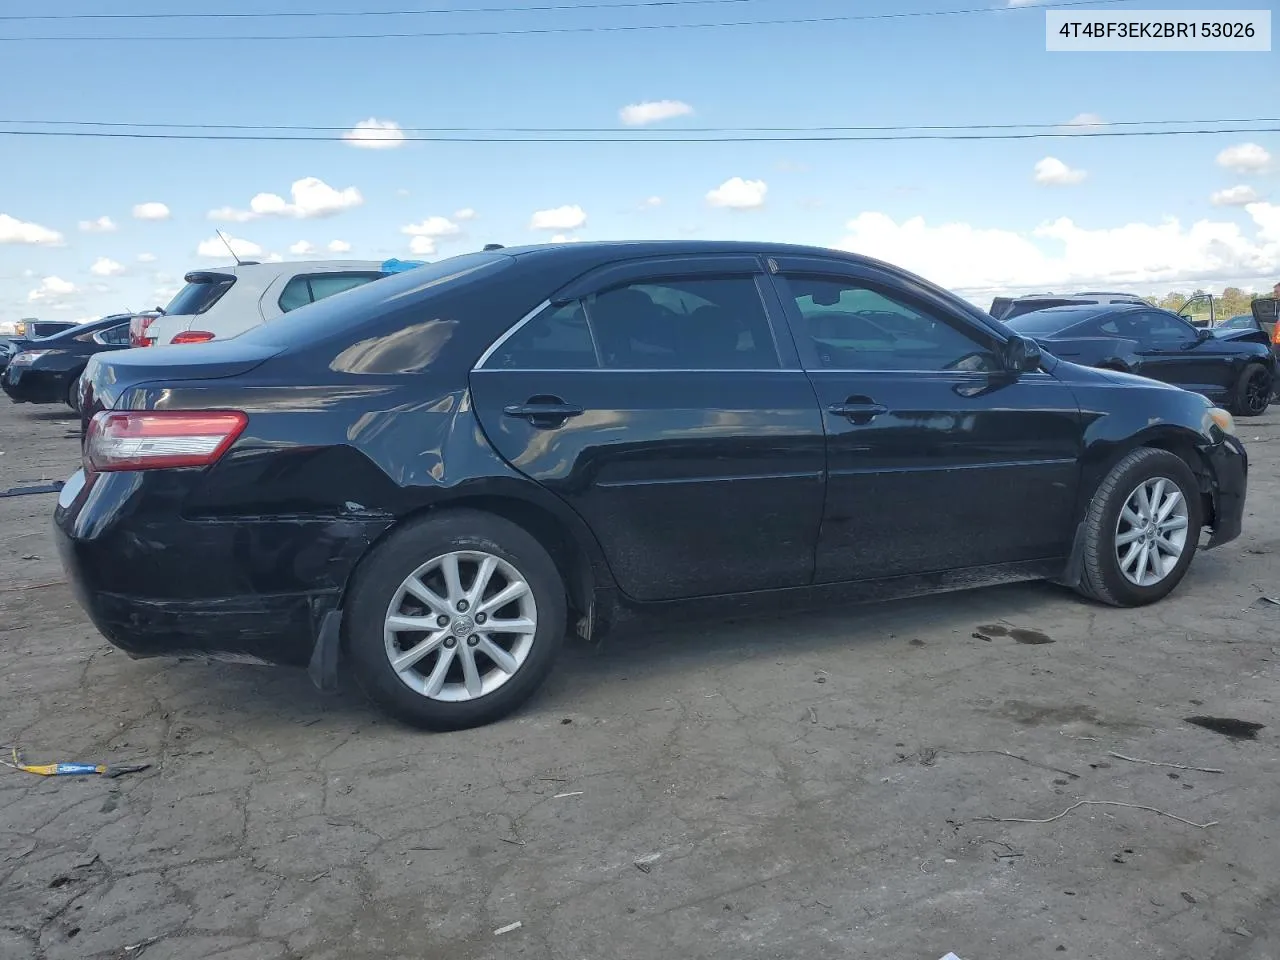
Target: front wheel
pixel 73 395
pixel 1141 530
pixel 1252 394
pixel 455 621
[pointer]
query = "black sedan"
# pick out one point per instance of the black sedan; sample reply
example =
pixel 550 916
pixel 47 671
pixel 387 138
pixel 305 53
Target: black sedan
pixel 434 476
pixel 48 370
pixel 1233 368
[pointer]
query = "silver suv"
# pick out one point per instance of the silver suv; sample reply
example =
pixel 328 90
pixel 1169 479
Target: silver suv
pixel 223 302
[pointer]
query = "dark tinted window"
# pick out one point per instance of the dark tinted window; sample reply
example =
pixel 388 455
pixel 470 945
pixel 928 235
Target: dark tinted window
pixel 1031 306
pixel 1162 327
pixel 296 294
pixel 117 335
pixel 683 324
pixel 1046 324
pixel 556 339
pixel 198 296
pixel 854 327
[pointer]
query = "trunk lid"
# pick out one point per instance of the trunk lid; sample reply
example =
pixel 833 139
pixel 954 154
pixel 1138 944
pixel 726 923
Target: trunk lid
pixel 110 376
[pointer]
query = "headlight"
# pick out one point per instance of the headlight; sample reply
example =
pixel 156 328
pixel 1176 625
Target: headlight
pixel 27 357
pixel 1221 419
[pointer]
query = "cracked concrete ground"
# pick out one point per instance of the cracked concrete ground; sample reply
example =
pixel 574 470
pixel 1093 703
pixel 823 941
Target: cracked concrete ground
pixel 804 787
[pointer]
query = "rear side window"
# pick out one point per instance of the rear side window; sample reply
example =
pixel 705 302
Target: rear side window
pixel 306 289
pixel 114 336
pixel 556 339
pixel 199 295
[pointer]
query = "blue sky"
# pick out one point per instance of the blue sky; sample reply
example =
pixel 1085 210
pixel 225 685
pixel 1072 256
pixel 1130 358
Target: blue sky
pixel 968 214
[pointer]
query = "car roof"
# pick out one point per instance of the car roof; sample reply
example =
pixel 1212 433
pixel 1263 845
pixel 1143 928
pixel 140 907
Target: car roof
pixel 291 267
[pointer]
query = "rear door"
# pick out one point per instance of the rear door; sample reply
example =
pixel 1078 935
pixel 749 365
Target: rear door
pixel 938 459
pixel 664 401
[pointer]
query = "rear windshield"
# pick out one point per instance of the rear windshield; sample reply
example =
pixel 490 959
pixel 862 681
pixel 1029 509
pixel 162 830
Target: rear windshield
pixel 199 295
pixel 318 320
pixel 1041 323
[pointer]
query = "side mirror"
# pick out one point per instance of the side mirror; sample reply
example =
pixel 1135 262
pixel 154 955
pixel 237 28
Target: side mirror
pixel 1021 354
pixel 1203 334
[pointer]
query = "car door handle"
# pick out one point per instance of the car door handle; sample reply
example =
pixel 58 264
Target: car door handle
pixel 858 409
pixel 543 411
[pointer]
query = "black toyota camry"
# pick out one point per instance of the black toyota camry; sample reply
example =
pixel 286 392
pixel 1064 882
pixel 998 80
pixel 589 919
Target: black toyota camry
pixel 429 481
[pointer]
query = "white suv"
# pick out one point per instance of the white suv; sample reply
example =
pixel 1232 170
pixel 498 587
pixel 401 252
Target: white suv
pixel 223 302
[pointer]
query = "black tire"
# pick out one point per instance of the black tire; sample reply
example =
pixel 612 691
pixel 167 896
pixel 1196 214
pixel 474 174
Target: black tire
pixel 1101 576
pixel 73 395
pixel 1252 393
pixel 378 581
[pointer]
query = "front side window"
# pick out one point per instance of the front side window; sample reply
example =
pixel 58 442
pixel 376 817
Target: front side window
pixel 683 324
pixel 1163 329
pixel 852 326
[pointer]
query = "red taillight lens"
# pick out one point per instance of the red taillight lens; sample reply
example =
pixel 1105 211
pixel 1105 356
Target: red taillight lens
pixel 192 336
pixel 153 439
pixel 138 331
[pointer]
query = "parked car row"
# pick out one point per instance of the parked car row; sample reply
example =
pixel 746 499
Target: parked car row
pixel 426 480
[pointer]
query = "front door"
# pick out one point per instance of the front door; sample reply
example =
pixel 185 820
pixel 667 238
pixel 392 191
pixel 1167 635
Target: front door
pixel 1171 350
pixel 661 404
pixel 938 458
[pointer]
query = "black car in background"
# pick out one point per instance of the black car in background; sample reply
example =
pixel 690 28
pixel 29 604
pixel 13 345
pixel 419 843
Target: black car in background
pixel 435 475
pixel 48 370
pixel 1007 308
pixel 1235 369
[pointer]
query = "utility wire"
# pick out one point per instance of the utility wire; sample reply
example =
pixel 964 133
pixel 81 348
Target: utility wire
pixel 420 11
pixel 1082 126
pixel 813 138
pixel 542 31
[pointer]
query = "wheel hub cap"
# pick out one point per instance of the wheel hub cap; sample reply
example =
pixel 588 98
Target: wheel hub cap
pixel 463 626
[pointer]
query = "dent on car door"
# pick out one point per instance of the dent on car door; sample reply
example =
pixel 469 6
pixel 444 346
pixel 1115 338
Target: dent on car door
pixel 938 458
pixel 665 410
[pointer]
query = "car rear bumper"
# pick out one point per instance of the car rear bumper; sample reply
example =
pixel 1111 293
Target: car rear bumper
pixel 155 584
pixel 1230 466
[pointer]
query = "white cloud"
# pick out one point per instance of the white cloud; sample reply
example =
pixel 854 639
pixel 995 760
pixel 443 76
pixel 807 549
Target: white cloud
pixel 301 248
pixel 651 202
pixel 1061 254
pixel 653 111
pixel 465 214
pixel 312 197
pixel 101 225
pixel 151 210
pixel 738 194
pixel 1054 173
pixel 422 246
pixel 1245 158
pixel 559 218
pixel 106 267
pixel 215 249
pixel 274 258
pixel 374 134
pixel 339 246
pixel 564 238
pixel 146 258
pixel 1085 121
pixel 432 227
pixel 402 192
pixel 1234 196
pixel 19 231
pixel 51 289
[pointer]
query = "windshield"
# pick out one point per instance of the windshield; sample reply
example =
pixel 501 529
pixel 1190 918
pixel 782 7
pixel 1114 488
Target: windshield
pixel 199 295
pixel 1043 323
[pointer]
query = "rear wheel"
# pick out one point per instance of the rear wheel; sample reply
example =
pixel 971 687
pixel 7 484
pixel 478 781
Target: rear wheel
pixel 1253 390
pixel 1141 530
pixel 73 395
pixel 455 621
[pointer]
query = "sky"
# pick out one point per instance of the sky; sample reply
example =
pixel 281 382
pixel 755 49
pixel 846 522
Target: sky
pixel 90 226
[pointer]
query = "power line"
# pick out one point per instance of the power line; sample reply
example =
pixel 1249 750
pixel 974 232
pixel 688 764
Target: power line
pixel 808 138
pixel 421 11
pixel 641 134
pixel 544 31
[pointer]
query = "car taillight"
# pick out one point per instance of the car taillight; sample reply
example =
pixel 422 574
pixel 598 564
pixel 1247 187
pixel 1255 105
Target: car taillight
pixel 138 332
pixel 192 336
pixel 153 439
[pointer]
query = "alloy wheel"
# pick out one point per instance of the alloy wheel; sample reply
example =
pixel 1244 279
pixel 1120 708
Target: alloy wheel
pixel 1151 532
pixel 460 626
pixel 1257 392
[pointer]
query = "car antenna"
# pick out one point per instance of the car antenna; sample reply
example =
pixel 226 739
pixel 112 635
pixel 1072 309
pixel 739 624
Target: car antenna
pixel 222 236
